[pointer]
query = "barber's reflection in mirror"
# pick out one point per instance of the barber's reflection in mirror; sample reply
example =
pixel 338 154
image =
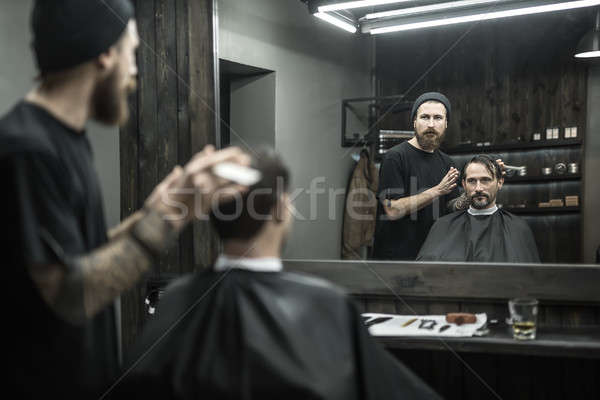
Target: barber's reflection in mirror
pixel 483 232
pixel 417 183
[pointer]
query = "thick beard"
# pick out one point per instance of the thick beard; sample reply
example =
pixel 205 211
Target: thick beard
pixel 109 100
pixel 429 143
pixel 480 204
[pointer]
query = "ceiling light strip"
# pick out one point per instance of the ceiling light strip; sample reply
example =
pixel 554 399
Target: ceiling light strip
pixel 589 54
pixel 487 16
pixel 429 8
pixel 337 22
pixel 358 4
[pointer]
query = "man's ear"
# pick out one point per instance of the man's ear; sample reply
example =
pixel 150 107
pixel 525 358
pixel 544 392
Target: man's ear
pixel 500 183
pixel 281 209
pixel 107 60
pixel 463 184
pixel 278 210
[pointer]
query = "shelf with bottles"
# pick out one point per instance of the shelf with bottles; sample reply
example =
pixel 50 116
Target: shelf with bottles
pixel 542 210
pixel 517 145
pixel 542 178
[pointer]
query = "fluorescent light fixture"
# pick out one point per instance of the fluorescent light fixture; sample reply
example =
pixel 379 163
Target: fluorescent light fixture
pixel 429 8
pixel 336 21
pixel 487 16
pixel 358 4
pixel 589 54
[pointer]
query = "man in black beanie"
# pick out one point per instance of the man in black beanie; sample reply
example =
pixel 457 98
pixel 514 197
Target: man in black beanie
pixel 63 270
pixel 416 182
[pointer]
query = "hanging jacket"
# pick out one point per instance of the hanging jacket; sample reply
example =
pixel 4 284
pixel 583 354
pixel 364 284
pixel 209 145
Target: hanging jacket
pixel 360 208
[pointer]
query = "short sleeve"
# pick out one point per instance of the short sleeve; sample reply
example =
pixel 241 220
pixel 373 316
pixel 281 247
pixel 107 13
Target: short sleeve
pixel 43 224
pixel 391 178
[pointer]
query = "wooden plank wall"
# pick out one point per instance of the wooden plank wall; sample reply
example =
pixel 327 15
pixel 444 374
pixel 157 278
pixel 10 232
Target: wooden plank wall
pixel 505 79
pixel 171 119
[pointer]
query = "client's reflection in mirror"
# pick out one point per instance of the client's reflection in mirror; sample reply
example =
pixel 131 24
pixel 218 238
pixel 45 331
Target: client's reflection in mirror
pixel 482 232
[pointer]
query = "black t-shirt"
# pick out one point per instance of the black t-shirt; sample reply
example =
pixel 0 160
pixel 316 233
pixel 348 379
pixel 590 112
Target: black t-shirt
pixel 53 208
pixel 407 171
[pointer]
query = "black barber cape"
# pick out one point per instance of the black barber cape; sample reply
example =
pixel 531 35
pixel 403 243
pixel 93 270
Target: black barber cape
pixel 500 237
pixel 52 211
pixel 240 334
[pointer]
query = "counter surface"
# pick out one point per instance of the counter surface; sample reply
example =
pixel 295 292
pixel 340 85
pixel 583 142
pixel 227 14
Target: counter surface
pixel 581 342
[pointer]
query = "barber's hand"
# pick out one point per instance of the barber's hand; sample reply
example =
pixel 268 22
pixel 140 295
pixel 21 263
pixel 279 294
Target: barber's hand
pixel 448 183
pixel 501 164
pixel 188 192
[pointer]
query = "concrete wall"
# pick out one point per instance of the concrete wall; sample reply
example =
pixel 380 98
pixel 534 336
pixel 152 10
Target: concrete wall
pixel 316 66
pixel 17 73
pixel 591 195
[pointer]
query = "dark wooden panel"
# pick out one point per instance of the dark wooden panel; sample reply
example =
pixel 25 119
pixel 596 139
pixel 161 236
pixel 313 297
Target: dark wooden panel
pixel 174 118
pixel 458 280
pixel 184 150
pixel 166 98
pixel 142 183
pixel 506 79
pixel 380 305
pixel 202 110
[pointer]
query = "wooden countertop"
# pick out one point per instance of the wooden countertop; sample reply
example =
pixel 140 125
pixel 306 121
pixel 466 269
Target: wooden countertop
pixel 581 342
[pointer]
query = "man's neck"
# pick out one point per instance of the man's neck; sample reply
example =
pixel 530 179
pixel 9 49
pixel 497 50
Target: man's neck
pixel 489 210
pixel 415 143
pixel 251 249
pixel 68 104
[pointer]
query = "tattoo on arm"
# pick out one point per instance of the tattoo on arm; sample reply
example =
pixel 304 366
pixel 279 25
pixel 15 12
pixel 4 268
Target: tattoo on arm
pixel 399 208
pixel 90 282
pixel 124 226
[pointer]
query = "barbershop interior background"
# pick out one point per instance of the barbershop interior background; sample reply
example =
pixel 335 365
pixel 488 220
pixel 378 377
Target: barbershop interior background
pixel 284 76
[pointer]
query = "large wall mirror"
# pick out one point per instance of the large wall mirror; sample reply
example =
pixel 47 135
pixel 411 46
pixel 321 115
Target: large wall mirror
pixel 299 83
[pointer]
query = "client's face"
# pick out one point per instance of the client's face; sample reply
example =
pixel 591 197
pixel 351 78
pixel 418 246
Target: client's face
pixel 481 186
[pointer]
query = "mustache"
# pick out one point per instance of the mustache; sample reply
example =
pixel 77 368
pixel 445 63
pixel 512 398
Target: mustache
pixel 480 194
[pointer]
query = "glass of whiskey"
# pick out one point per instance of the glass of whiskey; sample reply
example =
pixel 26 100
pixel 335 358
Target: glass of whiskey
pixel 523 314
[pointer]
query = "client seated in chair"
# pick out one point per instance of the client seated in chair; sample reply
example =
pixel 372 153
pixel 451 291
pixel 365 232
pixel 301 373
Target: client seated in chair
pixel 245 329
pixel 483 232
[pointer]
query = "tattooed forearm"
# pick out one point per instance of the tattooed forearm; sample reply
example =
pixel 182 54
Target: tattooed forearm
pixel 94 280
pixel 124 226
pixel 90 282
pixel 108 273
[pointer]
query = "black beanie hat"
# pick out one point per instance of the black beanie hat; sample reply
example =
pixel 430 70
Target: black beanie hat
pixel 67 33
pixel 431 96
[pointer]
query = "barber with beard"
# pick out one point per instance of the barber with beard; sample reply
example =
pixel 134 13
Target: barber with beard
pixel 417 181
pixel 63 270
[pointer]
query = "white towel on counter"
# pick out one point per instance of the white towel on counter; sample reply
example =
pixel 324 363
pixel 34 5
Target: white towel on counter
pixel 425 325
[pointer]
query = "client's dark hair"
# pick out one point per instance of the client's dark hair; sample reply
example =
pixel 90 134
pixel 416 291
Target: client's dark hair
pixel 488 162
pixel 244 216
